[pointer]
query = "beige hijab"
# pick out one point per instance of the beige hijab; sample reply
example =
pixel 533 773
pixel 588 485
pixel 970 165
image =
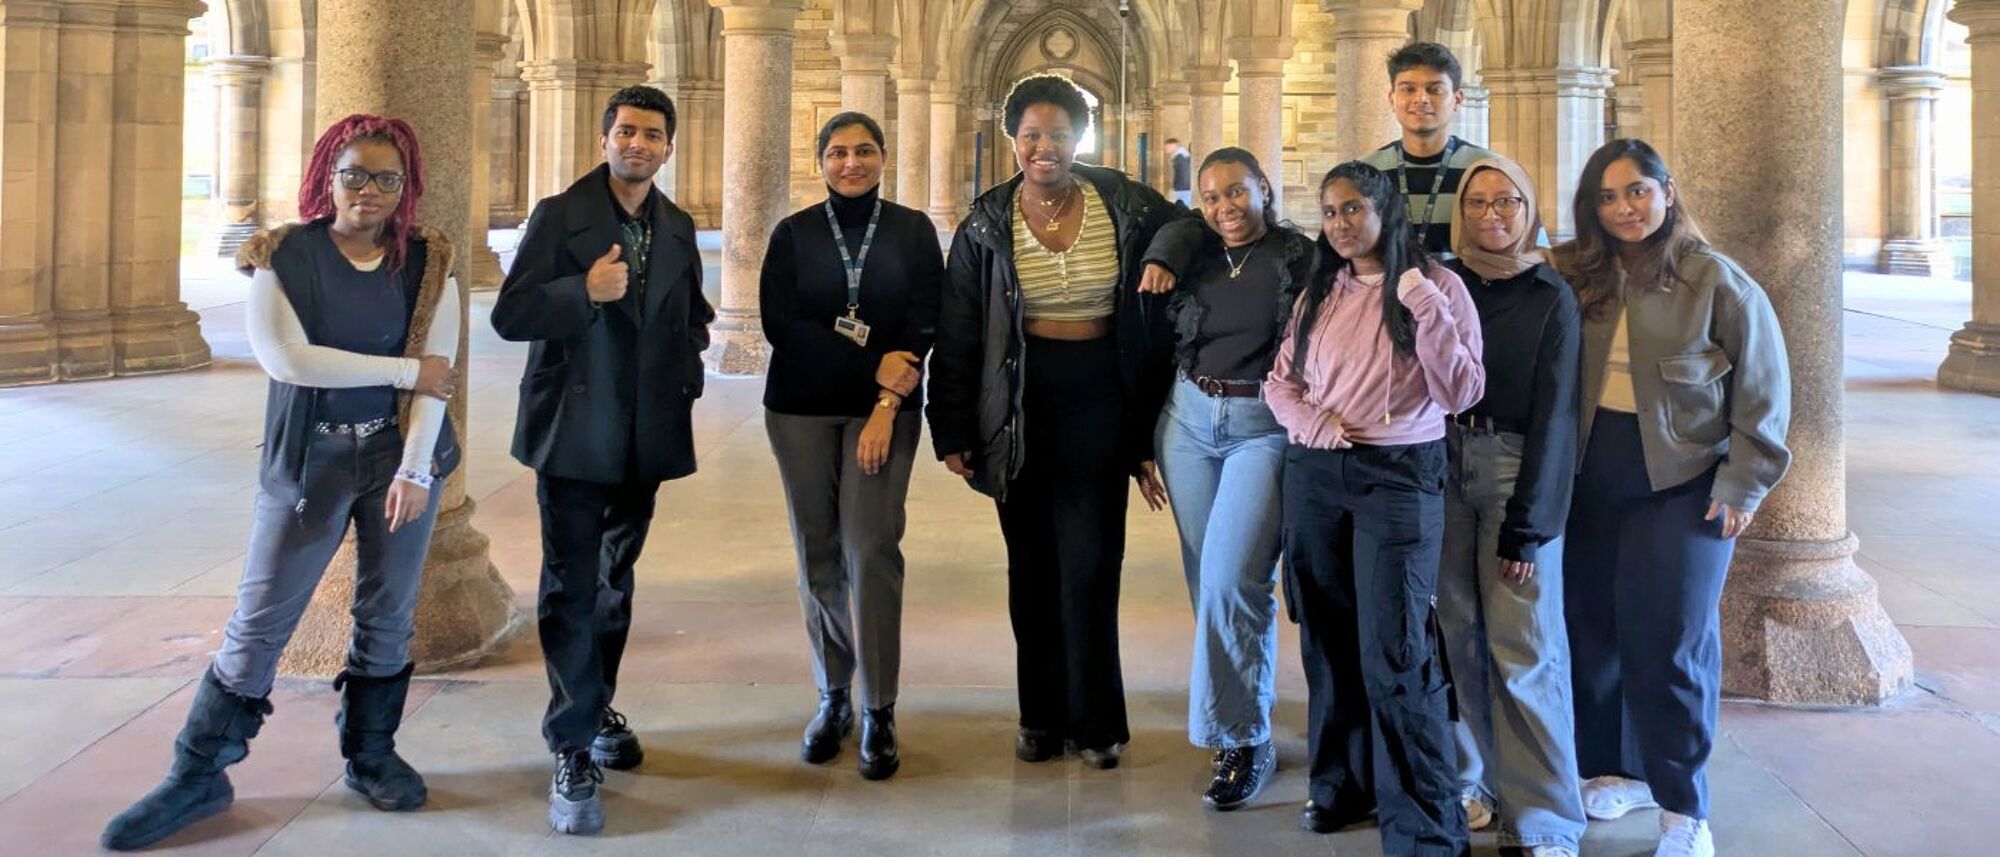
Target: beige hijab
pixel 1515 260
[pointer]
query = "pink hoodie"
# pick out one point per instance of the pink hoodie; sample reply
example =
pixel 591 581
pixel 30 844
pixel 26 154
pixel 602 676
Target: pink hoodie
pixel 1355 389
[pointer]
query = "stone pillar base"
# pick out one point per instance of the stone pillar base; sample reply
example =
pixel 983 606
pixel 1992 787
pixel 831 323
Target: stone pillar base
pixel 27 353
pixel 464 610
pixel 225 240
pixel 159 339
pixel 737 346
pixel 85 346
pixel 1801 623
pixel 1916 258
pixel 486 273
pixel 505 217
pixel 1974 362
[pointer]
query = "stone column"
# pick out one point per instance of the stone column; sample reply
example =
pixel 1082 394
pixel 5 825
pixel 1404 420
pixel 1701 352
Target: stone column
pixel 1365 33
pixel 1205 111
pixel 152 329
pixel 1974 363
pixel 912 137
pixel 757 39
pixel 864 72
pixel 1913 247
pixel 1476 117
pixel 28 44
pixel 947 191
pixel 1653 64
pixel 1801 622
pixel 86 75
pixel 697 161
pixel 1550 120
pixel 414 61
pixel 566 116
pixel 239 108
pixel 1260 110
pixel 1175 119
pixel 484 264
pixel 503 124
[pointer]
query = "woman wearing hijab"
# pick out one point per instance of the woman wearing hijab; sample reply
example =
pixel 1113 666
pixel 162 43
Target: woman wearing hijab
pixel 1512 460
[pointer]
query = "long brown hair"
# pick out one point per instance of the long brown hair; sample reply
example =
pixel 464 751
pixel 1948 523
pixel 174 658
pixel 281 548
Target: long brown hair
pixel 1597 250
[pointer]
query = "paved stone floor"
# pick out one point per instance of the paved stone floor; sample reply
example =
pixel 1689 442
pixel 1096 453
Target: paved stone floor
pixel 124 507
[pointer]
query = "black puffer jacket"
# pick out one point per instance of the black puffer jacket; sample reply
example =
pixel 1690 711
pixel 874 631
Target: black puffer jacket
pixel 1192 250
pixel 976 372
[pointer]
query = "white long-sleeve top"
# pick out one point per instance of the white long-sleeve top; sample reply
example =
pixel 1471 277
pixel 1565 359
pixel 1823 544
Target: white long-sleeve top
pixel 278 340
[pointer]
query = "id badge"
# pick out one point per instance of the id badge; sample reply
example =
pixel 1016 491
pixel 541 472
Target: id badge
pixel 854 329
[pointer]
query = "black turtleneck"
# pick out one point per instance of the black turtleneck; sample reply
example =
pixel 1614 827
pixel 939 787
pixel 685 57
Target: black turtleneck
pixel 803 288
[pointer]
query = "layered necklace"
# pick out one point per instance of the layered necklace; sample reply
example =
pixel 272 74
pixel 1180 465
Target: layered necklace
pixel 1054 225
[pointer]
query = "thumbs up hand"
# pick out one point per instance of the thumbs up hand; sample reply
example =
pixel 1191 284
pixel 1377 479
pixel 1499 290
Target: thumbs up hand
pixel 608 276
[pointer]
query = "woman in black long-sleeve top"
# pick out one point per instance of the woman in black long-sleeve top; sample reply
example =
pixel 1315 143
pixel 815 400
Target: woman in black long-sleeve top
pixel 849 298
pixel 1513 456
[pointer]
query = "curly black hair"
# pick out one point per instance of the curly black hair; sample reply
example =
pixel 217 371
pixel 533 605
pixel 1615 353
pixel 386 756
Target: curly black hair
pixel 1047 89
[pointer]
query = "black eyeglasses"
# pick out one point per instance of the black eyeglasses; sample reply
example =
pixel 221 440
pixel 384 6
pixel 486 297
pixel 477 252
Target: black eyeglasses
pixel 354 178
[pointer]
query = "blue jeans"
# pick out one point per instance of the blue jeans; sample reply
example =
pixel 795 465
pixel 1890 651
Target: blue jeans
pixel 1509 652
pixel 1221 458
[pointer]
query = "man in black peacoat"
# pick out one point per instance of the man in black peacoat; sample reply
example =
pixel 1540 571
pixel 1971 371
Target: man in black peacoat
pixel 607 287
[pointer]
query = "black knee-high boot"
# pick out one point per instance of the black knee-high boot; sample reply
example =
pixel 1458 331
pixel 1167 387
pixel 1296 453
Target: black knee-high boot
pixel 370 711
pixel 219 728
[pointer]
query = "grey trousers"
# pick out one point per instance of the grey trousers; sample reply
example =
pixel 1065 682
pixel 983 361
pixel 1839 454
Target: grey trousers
pixel 1509 651
pixel 346 480
pixel 848 528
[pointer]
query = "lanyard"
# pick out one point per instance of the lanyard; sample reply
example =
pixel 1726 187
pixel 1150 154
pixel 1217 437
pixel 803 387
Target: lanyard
pixel 851 263
pixel 1403 184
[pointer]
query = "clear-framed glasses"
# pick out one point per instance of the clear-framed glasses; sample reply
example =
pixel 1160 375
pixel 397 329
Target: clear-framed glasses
pixel 355 178
pixel 1506 206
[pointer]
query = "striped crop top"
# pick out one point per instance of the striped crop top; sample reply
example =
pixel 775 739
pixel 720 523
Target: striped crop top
pixel 1079 284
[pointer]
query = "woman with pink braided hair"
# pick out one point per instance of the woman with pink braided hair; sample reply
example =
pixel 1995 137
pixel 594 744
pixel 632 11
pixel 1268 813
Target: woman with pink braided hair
pixel 352 313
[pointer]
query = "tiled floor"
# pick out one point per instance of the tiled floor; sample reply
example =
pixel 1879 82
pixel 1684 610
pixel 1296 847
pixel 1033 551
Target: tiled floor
pixel 123 511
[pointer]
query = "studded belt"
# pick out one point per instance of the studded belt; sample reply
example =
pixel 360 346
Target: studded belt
pixel 356 429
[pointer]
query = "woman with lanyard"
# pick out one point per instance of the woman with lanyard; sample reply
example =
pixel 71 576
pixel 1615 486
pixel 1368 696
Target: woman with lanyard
pixel 1221 453
pixel 1513 460
pixel 849 299
pixel 1383 344
pixel 1049 374
pixel 1686 402
pixel 354 317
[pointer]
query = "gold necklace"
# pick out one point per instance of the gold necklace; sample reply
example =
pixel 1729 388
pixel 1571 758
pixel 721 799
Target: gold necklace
pixel 1054 223
pixel 1235 267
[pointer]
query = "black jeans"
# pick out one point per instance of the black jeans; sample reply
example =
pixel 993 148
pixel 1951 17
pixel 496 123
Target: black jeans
pixel 1363 531
pixel 1064 522
pixel 591 536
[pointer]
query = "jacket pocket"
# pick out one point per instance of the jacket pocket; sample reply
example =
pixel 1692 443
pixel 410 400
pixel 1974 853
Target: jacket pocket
pixel 1693 394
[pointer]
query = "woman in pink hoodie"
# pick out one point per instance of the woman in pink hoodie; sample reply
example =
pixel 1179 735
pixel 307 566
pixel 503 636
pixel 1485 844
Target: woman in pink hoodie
pixel 1383 345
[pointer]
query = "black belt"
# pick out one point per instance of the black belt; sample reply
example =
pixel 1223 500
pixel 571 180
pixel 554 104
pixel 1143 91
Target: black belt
pixel 1220 388
pixel 1480 423
pixel 357 429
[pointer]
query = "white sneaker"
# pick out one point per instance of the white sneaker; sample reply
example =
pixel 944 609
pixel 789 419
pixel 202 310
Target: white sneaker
pixel 1551 851
pixel 1478 812
pixel 1681 836
pixel 1606 798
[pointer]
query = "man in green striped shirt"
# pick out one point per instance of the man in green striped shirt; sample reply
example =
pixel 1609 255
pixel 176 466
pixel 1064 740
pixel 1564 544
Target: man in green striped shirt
pixel 1428 162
